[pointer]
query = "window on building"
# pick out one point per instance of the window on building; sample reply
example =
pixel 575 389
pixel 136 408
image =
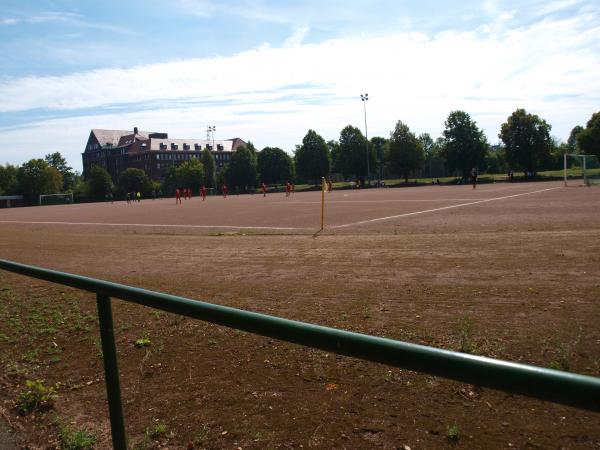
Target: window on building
pixel 186 146
pixel 220 147
pixel 197 147
pixel 174 146
pixel 163 146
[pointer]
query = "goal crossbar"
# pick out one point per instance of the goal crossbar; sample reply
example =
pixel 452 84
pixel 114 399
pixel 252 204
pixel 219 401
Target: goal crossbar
pixel 68 196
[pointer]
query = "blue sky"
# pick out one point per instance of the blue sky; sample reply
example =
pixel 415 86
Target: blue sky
pixel 267 71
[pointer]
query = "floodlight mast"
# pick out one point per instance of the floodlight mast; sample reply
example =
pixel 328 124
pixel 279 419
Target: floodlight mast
pixel 210 131
pixel 364 98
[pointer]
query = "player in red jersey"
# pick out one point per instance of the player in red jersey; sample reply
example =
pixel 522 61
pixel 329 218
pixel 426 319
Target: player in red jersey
pixel 224 190
pixel 177 196
pixel 288 189
pixel 203 192
pixel 264 189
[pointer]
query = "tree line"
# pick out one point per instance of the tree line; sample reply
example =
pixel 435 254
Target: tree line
pixel 526 145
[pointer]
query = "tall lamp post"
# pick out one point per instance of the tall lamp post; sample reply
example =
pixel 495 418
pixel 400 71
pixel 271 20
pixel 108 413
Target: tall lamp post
pixel 364 98
pixel 211 131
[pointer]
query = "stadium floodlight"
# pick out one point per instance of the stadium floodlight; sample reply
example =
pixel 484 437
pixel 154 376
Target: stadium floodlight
pixel 581 168
pixel 210 131
pixel 364 98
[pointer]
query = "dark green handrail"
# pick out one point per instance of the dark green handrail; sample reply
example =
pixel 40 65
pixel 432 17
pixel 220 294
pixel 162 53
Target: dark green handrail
pixel 561 387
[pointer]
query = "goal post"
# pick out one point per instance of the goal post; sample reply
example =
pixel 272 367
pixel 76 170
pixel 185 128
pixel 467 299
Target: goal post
pixel 56 199
pixel 579 169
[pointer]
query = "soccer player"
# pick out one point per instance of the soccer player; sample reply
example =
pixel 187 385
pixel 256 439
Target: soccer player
pixel 474 177
pixel 177 196
pixel 203 192
pixel 224 190
pixel 264 189
pixel 329 188
pixel 288 189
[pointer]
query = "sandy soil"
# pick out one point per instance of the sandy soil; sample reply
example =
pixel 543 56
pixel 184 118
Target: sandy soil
pixel 513 267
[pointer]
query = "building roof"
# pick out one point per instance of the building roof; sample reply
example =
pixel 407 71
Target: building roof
pixel 155 144
pixel 113 137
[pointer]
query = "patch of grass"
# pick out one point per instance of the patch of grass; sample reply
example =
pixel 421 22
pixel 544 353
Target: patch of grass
pixel 142 342
pixel 36 396
pixel 563 358
pixel 76 439
pixel 158 430
pixel 467 343
pixel 453 432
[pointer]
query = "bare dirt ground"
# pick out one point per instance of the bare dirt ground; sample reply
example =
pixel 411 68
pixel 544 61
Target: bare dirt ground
pixel 507 270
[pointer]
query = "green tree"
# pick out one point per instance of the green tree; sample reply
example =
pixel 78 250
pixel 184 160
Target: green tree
pixel 190 174
pixel 428 146
pixel 242 169
pixel 36 177
pixel 589 137
pixel 527 141
pixel 135 180
pixel 275 165
pixel 99 183
pixel 210 168
pixel 379 147
pixel 335 152
pixel 465 145
pixel 405 152
pixel 572 142
pixel 57 161
pixel 354 151
pixel 8 180
pixel 312 158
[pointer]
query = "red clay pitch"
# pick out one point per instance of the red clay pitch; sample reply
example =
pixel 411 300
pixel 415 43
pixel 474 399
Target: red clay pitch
pixel 344 210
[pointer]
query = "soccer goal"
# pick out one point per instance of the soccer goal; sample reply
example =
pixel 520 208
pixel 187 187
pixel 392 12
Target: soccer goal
pixel 56 199
pixel 581 170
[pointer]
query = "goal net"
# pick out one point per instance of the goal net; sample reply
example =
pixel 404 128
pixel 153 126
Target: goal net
pixel 581 170
pixel 56 199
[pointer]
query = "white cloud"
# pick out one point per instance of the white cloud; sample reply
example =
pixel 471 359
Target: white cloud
pixel 272 96
pixel 9 21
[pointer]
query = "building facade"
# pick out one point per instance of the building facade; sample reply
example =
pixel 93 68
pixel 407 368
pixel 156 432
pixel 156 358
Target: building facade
pixel 153 152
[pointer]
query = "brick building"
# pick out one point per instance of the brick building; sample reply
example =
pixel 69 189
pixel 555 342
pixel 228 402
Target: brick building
pixel 117 150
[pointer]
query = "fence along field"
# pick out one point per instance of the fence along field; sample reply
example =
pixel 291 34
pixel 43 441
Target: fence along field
pixel 469 287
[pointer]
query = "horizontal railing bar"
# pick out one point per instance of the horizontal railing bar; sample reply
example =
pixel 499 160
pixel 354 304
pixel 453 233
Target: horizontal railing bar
pixel 581 391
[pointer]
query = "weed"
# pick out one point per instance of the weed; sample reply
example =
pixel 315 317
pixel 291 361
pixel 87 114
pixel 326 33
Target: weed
pixel 388 376
pixel 212 342
pixel 158 430
pixel 35 396
pixel 562 361
pixel 365 312
pixel 76 439
pixel 453 432
pixel 142 342
pixel 157 314
pixel 31 356
pixel 344 316
pixel 258 436
pixel 465 334
pixel 201 434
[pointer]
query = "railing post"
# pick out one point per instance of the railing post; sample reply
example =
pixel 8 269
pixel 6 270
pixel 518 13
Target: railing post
pixel 111 372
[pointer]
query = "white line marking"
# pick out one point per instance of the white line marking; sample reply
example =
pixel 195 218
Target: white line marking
pixel 152 225
pixel 440 209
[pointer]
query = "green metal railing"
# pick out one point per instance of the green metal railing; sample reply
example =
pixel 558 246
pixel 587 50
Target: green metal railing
pixel 570 389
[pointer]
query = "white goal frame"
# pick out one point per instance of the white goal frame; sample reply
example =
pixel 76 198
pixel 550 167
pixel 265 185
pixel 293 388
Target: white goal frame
pixel 583 167
pixel 67 195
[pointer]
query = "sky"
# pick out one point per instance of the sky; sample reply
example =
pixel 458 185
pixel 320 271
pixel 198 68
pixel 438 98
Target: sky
pixel 268 71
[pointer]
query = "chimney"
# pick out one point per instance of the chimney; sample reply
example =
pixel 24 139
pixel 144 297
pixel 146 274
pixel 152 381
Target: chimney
pixel 135 131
